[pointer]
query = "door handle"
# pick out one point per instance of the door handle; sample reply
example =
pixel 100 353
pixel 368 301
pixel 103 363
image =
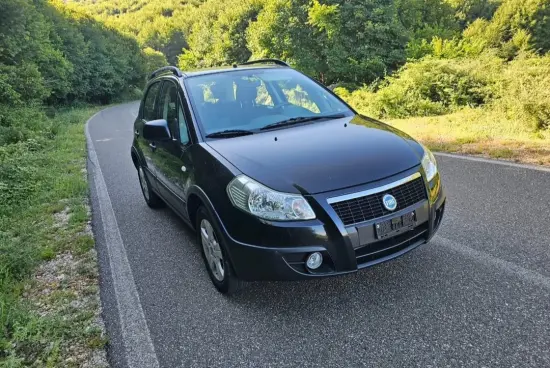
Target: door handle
pixel 153 147
pixel 136 133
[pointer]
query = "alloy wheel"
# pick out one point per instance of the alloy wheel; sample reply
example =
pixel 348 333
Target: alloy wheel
pixel 212 250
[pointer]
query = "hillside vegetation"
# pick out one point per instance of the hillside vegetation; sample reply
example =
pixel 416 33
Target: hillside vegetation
pixel 463 75
pixel 54 61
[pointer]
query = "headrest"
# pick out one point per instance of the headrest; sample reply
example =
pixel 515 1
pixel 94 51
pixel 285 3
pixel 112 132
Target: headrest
pixel 198 94
pixel 223 90
pixel 247 92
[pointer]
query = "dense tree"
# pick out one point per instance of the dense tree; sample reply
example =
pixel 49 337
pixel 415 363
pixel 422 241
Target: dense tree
pixel 516 25
pixel 70 56
pixel 282 31
pixel 155 24
pixel 31 65
pixel 361 40
pixel 52 54
pixel 217 33
pixel 468 11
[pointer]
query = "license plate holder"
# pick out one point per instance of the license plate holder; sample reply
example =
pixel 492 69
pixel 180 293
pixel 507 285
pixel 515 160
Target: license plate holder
pixel 395 225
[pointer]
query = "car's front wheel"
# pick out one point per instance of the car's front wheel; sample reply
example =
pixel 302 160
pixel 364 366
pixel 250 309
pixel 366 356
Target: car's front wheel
pixel 151 198
pixel 215 255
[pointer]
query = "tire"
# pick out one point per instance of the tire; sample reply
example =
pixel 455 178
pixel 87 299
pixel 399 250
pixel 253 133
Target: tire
pixel 151 198
pixel 214 254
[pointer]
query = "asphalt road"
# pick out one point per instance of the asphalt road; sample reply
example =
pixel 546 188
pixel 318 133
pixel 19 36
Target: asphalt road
pixel 478 295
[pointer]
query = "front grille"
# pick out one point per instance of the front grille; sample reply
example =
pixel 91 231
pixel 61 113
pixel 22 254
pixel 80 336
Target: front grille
pixel 353 211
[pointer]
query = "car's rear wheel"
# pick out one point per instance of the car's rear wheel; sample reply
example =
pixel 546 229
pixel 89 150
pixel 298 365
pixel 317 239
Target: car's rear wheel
pixel 215 255
pixel 151 198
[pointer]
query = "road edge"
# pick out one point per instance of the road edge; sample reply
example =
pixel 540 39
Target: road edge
pixel 493 161
pixel 129 335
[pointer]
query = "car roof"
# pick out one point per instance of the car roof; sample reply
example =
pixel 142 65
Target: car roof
pixel 225 69
pixel 249 65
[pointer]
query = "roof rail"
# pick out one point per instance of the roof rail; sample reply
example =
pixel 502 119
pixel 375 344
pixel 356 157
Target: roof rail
pixel 172 69
pixel 266 61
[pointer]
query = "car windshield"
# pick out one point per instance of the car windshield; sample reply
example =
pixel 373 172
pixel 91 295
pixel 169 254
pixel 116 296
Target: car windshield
pixel 251 99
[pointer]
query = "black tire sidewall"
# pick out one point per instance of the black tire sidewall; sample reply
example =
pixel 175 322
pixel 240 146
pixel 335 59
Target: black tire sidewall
pixel 154 200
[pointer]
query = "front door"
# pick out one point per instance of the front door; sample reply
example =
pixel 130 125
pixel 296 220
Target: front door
pixel 172 162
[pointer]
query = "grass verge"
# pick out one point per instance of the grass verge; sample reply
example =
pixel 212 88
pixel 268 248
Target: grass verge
pixel 49 295
pixel 480 132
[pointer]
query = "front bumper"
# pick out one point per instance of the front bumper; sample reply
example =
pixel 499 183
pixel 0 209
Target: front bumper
pixel 285 246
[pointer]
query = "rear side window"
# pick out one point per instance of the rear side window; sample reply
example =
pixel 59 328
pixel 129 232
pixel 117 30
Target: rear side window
pixel 149 104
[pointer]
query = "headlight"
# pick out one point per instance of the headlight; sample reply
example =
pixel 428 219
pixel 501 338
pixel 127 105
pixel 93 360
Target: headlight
pixel 260 201
pixel 429 164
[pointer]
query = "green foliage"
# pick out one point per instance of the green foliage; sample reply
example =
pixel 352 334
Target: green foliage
pixel 468 11
pixel 282 31
pixel 217 33
pixel 446 48
pixel 39 170
pixel 523 93
pixel 154 60
pixel 353 42
pixel 425 19
pixel 516 91
pixel 516 25
pixel 160 25
pixel 430 87
pixel 51 54
pixel 25 47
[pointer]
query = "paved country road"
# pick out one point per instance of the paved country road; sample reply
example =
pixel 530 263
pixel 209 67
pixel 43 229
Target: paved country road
pixel 478 295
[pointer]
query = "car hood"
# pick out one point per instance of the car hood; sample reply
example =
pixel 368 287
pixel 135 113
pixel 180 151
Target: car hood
pixel 322 156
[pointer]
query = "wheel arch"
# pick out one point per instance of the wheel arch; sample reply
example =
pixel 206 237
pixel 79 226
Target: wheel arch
pixel 135 157
pixel 194 202
pixel 195 199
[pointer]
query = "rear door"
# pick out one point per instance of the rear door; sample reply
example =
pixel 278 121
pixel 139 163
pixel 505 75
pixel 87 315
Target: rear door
pixel 148 113
pixel 172 162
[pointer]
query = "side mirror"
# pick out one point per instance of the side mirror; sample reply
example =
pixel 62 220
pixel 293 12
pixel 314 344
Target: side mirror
pixel 156 130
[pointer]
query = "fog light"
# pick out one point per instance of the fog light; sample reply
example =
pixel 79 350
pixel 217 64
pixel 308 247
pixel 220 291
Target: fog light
pixel 314 260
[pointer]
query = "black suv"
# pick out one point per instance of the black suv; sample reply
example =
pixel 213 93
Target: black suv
pixel 280 178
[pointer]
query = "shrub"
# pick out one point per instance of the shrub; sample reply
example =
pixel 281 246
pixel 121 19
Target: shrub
pixel 18 176
pixel 20 124
pixel 431 87
pixel 524 94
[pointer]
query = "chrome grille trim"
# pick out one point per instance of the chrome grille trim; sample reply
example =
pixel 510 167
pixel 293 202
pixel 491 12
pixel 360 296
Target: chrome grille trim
pixel 368 192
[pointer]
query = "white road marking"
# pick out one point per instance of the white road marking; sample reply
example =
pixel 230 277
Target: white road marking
pixel 139 348
pixel 496 162
pixel 491 261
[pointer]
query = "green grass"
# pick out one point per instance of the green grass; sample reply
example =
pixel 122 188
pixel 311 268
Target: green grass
pixel 482 105
pixel 480 132
pixel 47 260
pixel 477 131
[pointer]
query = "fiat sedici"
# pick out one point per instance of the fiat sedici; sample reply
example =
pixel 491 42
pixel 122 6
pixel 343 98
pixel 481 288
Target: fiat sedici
pixel 280 178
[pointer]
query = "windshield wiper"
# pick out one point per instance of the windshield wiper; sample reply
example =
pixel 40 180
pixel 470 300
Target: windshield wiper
pixel 300 120
pixel 229 133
